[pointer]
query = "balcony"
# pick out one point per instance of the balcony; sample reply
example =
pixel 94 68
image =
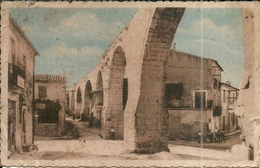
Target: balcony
pixel 16 76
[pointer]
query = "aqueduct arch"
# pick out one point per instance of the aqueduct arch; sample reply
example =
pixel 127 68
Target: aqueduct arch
pixel 141 49
pixel 79 101
pixel 87 101
pixel 115 103
pixel 145 119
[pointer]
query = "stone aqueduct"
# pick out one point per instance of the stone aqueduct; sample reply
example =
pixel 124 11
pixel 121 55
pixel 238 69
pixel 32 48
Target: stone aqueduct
pixel 140 51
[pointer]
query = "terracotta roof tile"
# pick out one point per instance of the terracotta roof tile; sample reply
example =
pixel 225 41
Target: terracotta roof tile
pixel 49 78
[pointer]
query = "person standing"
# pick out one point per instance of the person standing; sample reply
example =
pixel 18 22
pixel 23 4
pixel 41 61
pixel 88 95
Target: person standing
pixel 74 117
pixel 199 137
pixel 112 133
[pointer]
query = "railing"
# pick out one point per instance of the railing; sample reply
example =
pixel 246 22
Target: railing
pixel 231 100
pixel 13 72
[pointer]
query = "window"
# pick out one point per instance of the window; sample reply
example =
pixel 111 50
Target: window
pixel 200 99
pixel 42 92
pixel 13 52
pixel 228 96
pixel 24 63
pixel 174 91
pixel 173 94
pixel 224 95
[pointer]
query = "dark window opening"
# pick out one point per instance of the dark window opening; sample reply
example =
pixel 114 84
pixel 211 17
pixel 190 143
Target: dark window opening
pixel 200 99
pixel 224 95
pixel 13 52
pixel 209 103
pixel 217 84
pixel 217 111
pixel 125 92
pixel 233 119
pixel 173 94
pixel 174 91
pixel 42 92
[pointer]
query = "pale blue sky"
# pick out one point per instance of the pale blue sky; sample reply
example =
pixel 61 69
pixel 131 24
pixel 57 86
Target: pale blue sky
pixel 75 39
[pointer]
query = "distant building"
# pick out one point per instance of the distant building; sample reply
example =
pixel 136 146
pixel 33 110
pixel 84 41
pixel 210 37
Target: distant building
pixel 49 104
pixel 21 55
pixel 70 104
pixel 193 94
pixel 229 121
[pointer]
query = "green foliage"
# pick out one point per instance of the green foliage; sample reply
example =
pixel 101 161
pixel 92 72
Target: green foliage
pixel 51 105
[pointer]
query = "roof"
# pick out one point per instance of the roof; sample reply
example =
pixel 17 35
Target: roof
pixel 198 57
pixel 22 33
pixel 49 78
pixel 229 86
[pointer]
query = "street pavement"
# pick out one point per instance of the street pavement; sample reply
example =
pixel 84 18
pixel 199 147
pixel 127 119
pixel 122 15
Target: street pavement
pixel 89 145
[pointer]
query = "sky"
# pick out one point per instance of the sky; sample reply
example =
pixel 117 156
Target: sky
pixel 74 40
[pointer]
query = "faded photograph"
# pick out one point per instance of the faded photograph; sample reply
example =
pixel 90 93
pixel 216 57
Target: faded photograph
pixel 134 85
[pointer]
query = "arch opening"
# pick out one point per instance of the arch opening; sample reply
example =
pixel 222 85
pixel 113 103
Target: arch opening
pixel 88 101
pixel 72 102
pixel 79 103
pixel 118 94
pixel 96 105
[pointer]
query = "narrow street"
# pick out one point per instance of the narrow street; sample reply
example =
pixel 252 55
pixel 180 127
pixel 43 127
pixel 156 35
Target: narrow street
pixel 76 130
pixel 84 131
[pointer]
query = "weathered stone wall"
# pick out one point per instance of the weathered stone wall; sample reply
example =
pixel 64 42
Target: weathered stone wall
pixel 151 121
pixel 248 99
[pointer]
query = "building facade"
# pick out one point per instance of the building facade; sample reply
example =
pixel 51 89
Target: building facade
pixel 193 96
pixel 21 54
pixel 229 120
pixel 49 105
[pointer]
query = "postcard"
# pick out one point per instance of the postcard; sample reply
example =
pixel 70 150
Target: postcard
pixel 164 84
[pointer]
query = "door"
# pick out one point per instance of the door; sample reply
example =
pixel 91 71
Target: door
pixel 224 123
pixel 24 124
pixel 11 125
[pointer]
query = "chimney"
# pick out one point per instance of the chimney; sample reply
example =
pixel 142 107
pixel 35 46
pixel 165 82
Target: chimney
pixel 228 82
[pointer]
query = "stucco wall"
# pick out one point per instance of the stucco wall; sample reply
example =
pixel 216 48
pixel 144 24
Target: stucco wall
pixel 186 123
pixel 187 69
pixel 24 59
pixel 55 91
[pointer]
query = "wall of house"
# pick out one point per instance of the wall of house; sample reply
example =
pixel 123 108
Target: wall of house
pixel 186 123
pixel 194 74
pixel 229 120
pixel 24 61
pixel 55 91
pixel 187 69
